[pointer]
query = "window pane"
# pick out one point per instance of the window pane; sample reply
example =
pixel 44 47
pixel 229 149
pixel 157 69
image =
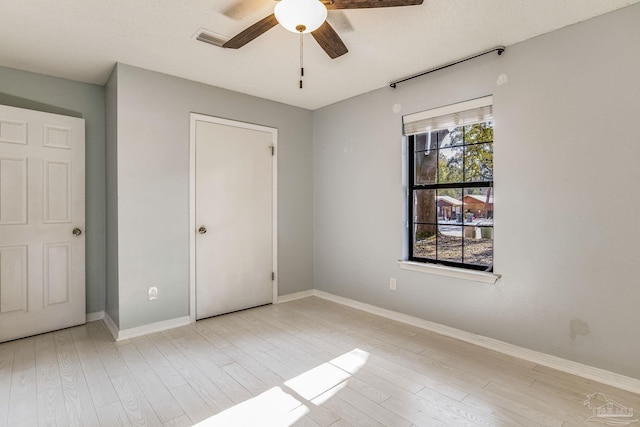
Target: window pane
pixel 449 206
pixel 479 250
pixel 478 204
pixel 424 206
pixel 450 245
pixel 420 142
pixel 454 138
pixel 426 166
pixel 479 132
pixel 424 241
pixel 478 163
pixel 446 140
pixel 478 244
pixel 450 165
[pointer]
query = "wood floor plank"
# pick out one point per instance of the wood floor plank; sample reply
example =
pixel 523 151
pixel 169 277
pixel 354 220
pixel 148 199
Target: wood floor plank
pixel 211 336
pixel 203 386
pixel 182 421
pixel 281 367
pixel 80 408
pixel 482 365
pixel 159 363
pixel 6 369
pixel 454 381
pixel 107 350
pixel 245 378
pixel 51 407
pixel 347 412
pixel 63 341
pixel 30 422
pixel 373 409
pixel 267 376
pixel 47 370
pixel 237 329
pixel 461 409
pixel 379 372
pixel 229 386
pixel 158 396
pixel 309 362
pixel 300 420
pixel 423 413
pixel 192 404
pixel 25 354
pixel 113 415
pixel 510 410
pixel 198 344
pixel 165 346
pixel 99 383
pixel 577 387
pixel 23 400
pixel 539 401
pixel 134 402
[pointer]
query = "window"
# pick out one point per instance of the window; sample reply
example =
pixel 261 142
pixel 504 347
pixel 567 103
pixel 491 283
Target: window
pixel 450 201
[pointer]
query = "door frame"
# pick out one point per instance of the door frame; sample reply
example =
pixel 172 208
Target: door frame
pixel 194 118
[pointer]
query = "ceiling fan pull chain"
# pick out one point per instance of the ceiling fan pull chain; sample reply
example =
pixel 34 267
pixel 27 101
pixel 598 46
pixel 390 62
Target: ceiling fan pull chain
pixel 301 63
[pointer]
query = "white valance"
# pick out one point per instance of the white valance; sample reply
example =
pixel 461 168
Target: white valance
pixel 454 115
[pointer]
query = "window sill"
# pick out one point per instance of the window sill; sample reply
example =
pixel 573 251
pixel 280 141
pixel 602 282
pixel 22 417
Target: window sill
pixel 443 270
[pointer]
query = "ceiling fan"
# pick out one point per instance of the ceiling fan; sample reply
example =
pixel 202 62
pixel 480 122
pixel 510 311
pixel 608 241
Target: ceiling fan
pixel 309 16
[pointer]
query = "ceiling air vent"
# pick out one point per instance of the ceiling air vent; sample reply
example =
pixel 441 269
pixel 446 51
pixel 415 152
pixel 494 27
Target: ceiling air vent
pixel 210 37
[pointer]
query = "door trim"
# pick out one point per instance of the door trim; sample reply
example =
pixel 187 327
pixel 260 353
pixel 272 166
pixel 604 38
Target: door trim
pixel 194 118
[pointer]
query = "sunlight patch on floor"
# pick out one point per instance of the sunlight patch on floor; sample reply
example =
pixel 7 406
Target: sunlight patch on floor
pixel 283 406
pixel 274 407
pixel 317 381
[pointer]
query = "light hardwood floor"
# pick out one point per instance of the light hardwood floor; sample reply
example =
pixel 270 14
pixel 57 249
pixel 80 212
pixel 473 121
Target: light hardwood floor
pixel 308 362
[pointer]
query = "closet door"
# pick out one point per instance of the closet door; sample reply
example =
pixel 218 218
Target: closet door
pixel 233 217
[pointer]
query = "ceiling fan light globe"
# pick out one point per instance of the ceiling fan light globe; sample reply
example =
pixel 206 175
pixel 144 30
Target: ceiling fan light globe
pixel 295 14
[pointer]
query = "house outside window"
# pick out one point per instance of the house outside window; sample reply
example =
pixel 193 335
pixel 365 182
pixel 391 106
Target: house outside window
pixel 450 201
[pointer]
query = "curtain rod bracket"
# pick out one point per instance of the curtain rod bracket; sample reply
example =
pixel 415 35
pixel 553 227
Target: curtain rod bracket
pixel 499 49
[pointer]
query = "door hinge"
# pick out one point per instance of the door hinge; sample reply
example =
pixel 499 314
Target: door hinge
pixel 273 150
pixel 273 275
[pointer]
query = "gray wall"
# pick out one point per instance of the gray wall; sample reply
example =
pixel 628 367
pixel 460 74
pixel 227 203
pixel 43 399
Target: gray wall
pixel 566 175
pixel 153 188
pixel 35 91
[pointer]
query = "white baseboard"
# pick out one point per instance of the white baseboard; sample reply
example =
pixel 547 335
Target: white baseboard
pixel 296 295
pixel 111 325
pixel 97 315
pixel 564 365
pixel 124 334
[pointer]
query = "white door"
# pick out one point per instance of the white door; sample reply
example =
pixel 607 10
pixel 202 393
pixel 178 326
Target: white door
pixel 234 232
pixel 42 277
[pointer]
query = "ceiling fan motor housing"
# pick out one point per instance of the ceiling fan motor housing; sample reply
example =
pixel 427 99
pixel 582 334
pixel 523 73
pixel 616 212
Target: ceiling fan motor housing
pixel 300 16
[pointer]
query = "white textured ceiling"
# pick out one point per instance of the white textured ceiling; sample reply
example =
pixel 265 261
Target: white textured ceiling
pixel 83 39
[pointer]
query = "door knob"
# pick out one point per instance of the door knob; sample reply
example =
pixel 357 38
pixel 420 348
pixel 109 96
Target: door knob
pixel 202 229
pixel 77 231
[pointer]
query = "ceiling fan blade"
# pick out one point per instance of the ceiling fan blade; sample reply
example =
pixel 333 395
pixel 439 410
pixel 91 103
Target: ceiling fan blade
pixel 252 32
pixel 329 40
pixel 366 4
pixel 242 8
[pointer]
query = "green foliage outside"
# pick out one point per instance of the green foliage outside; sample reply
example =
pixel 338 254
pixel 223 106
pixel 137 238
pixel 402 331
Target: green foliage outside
pixel 468 150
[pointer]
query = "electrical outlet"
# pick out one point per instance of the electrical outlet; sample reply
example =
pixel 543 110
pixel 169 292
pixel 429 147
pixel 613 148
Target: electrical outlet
pixel 153 293
pixel 392 283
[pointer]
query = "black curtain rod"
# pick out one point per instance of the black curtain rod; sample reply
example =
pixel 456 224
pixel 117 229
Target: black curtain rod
pixel 498 49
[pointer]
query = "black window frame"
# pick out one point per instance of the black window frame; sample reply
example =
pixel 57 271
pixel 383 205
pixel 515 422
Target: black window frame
pixel 462 185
